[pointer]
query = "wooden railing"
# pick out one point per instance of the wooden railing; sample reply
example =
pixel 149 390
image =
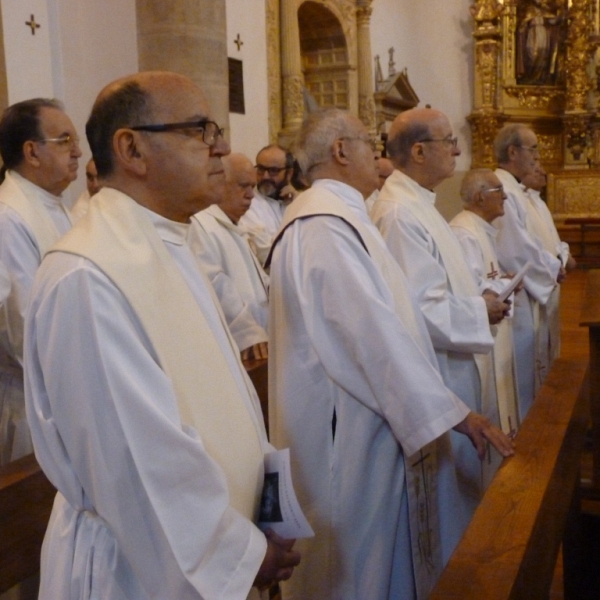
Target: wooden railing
pixel 509 550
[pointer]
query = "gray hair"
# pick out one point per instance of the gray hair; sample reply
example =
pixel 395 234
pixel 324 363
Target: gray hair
pixel 474 181
pixel 317 135
pixel 399 147
pixel 509 135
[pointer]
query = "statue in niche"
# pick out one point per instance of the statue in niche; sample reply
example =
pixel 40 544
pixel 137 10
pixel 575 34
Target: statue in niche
pixel 540 44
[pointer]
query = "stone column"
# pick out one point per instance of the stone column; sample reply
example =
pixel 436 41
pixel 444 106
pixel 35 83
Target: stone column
pixel 291 70
pixel 366 103
pixel 188 37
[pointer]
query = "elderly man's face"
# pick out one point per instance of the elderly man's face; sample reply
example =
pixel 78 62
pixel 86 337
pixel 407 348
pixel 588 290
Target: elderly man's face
pixel 440 150
pixel 492 199
pixel 526 155
pixel 363 173
pixel 187 172
pixel 59 158
pixel 239 191
pixel 271 172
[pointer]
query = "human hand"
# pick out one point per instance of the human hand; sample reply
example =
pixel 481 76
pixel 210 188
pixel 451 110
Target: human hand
pixel 479 429
pixel 279 561
pixel 571 264
pixel 256 352
pixel 496 309
pixel 562 275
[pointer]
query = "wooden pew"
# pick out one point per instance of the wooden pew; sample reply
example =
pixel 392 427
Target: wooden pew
pixel 25 503
pixel 509 550
pixel 590 317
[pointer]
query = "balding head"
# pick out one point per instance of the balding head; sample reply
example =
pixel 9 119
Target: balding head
pixel 334 144
pixel 142 144
pixel 421 145
pixel 240 179
pixel 482 193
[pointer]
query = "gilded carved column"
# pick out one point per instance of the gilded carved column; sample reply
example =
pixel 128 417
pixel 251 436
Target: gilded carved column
pixel 291 69
pixel 274 69
pixel 366 103
pixel 577 116
pixel 485 119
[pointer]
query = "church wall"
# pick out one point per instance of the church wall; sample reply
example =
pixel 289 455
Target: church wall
pixel 249 132
pixel 433 41
pixel 80 46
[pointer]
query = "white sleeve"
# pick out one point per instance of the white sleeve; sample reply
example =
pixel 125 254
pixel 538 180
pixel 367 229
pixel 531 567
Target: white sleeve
pixel 455 323
pixel 107 432
pixel 246 331
pixel 325 274
pixel 21 257
pixel 516 247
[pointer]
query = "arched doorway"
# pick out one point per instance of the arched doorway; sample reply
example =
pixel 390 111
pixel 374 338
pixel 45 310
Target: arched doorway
pixel 324 51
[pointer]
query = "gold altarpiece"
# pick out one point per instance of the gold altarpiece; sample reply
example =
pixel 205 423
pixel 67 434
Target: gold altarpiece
pixel 536 62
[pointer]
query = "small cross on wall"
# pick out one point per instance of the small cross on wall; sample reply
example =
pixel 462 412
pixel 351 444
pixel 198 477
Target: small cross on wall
pixel 32 24
pixel 238 42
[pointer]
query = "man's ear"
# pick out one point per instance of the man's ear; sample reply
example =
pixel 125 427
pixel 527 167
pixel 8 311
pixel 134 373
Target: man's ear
pixel 337 151
pixel 417 153
pixel 130 151
pixel 30 153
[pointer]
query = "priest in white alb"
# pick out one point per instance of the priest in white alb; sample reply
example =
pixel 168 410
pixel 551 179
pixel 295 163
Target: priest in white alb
pixel 355 390
pixel 542 224
pixel 483 200
pixel 40 152
pixel 141 412
pixel 517 154
pixel 458 316
pixel 239 280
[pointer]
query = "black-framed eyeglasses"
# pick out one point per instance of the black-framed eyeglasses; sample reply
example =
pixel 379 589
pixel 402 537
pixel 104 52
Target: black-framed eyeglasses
pixel 452 141
pixel 209 130
pixel 66 141
pixel 272 171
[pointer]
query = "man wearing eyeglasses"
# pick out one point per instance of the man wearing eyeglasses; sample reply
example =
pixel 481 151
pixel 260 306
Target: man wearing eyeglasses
pixel 40 151
pixel 483 202
pixel 274 169
pixel 141 412
pixel 355 388
pixel 517 154
pixel 423 150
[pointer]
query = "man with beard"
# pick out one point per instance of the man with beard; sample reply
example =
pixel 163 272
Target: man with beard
pixel 274 169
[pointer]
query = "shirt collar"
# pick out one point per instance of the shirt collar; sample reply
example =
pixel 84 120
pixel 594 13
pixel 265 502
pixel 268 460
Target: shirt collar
pixel 169 231
pixel 347 193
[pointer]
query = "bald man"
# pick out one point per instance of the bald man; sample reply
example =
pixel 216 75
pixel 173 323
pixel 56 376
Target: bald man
pixel 423 149
pixel 236 274
pixel 141 412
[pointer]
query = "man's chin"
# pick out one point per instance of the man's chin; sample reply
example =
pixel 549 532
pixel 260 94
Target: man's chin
pixel 269 191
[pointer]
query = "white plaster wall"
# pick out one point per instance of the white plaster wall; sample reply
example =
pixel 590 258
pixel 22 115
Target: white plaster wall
pixel 96 43
pixel 433 39
pixel 28 57
pixel 81 46
pixel 249 132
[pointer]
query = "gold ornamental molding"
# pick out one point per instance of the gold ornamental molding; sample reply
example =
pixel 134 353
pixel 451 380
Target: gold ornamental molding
pixel 538 98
